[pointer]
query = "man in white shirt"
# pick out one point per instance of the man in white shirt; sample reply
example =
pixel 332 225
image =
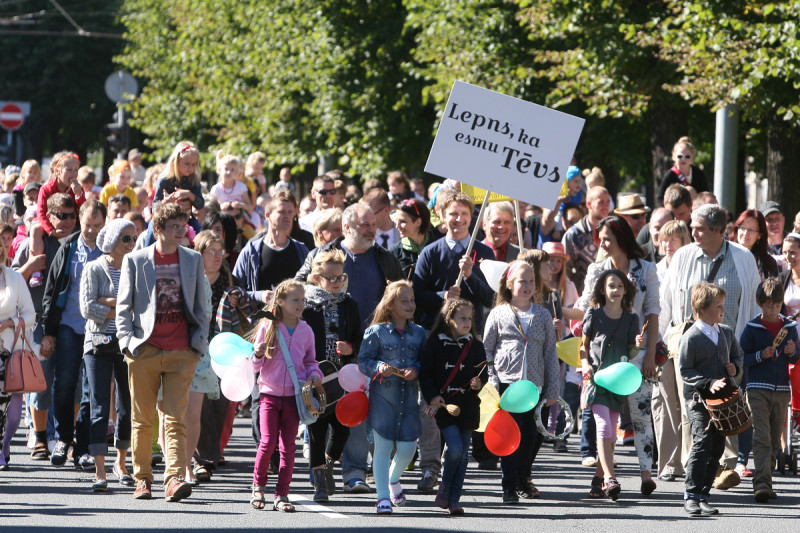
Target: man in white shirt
pixel 323 191
pixel 378 200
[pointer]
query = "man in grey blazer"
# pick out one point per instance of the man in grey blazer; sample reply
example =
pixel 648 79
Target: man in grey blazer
pixel 162 327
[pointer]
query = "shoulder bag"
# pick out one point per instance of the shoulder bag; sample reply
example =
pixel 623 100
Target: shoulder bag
pixel 24 370
pixel 306 415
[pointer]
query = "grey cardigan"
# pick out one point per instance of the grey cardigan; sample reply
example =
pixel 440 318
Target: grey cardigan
pixel 538 362
pixel 700 362
pixel 96 283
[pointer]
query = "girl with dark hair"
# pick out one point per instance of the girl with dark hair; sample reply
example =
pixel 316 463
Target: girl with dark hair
pixel 609 333
pixel 413 221
pixel 751 232
pixel 224 226
pixel 618 244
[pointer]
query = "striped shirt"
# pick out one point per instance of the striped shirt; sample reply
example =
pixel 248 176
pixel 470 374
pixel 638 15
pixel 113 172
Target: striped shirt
pixel 112 324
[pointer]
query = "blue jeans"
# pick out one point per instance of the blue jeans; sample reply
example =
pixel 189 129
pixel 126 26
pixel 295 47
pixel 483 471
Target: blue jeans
pixel 100 369
pixel 588 437
pixel 84 415
pixel 456 457
pixel 354 458
pixel 66 362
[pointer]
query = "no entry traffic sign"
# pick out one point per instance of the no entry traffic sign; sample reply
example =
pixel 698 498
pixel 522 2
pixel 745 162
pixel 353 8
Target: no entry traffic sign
pixel 11 116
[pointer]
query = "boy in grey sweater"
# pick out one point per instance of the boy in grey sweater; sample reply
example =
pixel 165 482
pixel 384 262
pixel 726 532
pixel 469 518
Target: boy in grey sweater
pixel 709 357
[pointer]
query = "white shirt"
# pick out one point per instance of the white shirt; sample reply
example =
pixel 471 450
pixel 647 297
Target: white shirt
pixel 389 240
pixel 710 331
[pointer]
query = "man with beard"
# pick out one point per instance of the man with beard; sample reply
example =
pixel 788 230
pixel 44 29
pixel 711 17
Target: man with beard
pixel 370 267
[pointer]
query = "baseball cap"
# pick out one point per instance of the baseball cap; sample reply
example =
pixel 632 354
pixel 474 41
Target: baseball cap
pixel 770 207
pixel 32 185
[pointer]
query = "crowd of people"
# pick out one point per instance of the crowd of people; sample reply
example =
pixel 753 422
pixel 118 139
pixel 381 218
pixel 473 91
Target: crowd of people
pixel 120 289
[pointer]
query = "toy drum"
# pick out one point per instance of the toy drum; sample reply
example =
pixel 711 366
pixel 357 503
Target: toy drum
pixel 730 415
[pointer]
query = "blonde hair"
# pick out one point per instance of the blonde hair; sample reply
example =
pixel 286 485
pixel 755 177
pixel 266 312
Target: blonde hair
pixel 332 256
pixel 58 159
pixel 223 159
pixel 326 219
pixel 281 292
pixel 514 268
pixel 31 164
pixel 684 141
pixel 383 312
pixel 537 258
pixel 256 160
pixel 703 295
pixel 85 173
pixel 183 149
pixel 674 228
pixel 205 239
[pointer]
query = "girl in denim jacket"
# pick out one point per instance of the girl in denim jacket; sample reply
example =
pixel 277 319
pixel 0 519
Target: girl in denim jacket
pixel 391 353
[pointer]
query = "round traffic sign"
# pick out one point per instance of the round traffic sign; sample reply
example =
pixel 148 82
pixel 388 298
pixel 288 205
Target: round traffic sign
pixel 121 87
pixel 11 117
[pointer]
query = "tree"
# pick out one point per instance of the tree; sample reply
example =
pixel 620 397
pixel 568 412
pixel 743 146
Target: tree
pixel 60 73
pixel 328 79
pixel 745 53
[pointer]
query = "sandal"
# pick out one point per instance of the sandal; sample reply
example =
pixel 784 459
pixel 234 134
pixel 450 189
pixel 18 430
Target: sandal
pixel 396 494
pixel 596 492
pixel 258 501
pixel 202 473
pixel 384 506
pixel 283 505
pixel 612 488
pixel 648 487
pixel 40 451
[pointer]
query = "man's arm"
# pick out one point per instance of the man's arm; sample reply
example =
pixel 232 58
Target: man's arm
pixel 124 320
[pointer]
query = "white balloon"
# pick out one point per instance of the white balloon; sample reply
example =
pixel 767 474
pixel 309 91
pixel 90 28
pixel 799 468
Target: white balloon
pixel 237 383
pixel 492 270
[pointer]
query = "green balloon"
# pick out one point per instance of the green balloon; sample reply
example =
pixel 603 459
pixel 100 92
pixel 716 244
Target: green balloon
pixel 520 397
pixel 620 378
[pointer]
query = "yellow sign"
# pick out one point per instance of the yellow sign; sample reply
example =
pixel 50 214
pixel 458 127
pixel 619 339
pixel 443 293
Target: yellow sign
pixel 477 194
pixel 564 190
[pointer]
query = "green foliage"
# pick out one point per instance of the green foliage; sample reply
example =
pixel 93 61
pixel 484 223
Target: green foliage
pixel 282 76
pixel 62 76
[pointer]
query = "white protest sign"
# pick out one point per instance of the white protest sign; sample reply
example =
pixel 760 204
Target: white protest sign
pixel 504 144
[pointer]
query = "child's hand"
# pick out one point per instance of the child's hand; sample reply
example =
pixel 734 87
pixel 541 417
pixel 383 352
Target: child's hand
pixel 586 368
pixel 77 190
pixel 475 383
pixel 558 324
pixel 409 374
pixel 789 348
pixel 730 368
pixel 315 381
pixel 260 349
pixel 720 384
pixel 640 342
pixel 384 370
pixel 344 348
pixel 438 402
pixel 768 352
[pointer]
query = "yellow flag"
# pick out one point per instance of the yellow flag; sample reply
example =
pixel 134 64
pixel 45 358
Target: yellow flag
pixel 490 404
pixel 564 190
pixel 477 194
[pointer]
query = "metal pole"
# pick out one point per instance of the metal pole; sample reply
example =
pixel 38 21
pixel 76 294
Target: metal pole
pixel 520 235
pixel 725 150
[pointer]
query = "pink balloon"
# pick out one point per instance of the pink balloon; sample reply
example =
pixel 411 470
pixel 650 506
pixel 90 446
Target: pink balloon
pixel 237 382
pixel 351 379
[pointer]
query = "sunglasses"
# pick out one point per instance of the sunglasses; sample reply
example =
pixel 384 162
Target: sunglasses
pixel 412 203
pixel 64 216
pixel 325 192
pixel 684 156
pixel 335 279
pixel 127 238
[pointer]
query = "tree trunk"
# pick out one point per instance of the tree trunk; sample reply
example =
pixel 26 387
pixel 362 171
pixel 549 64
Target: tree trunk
pixel 783 166
pixel 668 124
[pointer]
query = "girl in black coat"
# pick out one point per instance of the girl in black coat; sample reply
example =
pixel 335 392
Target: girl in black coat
pixel 336 323
pixel 453 364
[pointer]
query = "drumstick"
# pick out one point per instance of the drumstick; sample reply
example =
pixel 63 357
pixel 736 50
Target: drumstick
pixel 453 409
pixel 646 323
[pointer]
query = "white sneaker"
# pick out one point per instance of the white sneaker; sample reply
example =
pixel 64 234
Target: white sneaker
pixel 306 450
pixel 31 439
pixel 589 461
pixel 51 444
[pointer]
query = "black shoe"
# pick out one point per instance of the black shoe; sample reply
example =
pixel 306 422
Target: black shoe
pixel 510 496
pixel 692 507
pixel 59 456
pixel 490 464
pixel 667 477
pixel 706 509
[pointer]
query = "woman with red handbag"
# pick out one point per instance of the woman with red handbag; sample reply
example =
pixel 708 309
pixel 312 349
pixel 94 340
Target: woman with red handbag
pixel 15 304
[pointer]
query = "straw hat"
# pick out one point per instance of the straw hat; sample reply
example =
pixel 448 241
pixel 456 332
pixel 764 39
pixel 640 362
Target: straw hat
pixel 554 249
pixel 631 204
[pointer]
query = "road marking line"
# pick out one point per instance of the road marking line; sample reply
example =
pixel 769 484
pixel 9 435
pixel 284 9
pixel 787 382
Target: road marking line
pixel 314 506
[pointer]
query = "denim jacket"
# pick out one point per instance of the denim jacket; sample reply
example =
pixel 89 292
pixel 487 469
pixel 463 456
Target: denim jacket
pixel 393 407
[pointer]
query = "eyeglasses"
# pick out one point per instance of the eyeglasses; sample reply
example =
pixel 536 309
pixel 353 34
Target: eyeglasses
pixel 683 156
pixel 325 192
pixel 412 203
pixel 64 216
pixel 335 279
pixel 214 253
pixel 127 238
pixel 747 230
pixel 637 216
pixel 175 227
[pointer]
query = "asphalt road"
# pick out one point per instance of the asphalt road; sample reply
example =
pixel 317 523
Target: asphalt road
pixel 35 496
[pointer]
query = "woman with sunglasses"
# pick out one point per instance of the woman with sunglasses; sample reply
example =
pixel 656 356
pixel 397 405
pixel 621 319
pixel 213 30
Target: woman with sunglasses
pixel 413 221
pixel 336 323
pixel 102 356
pixel 683 171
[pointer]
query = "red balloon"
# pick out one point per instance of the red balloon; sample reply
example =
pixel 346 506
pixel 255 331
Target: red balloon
pixel 502 434
pixel 352 409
